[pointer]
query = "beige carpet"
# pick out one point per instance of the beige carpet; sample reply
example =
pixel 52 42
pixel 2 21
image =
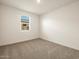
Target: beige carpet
pixel 37 49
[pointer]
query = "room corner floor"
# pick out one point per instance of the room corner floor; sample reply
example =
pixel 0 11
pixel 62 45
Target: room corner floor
pixel 37 49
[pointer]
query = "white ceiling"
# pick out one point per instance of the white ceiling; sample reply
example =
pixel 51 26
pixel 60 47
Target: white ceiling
pixel 32 6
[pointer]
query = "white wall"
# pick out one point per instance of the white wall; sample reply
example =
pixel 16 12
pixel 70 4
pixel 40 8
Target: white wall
pixel 62 26
pixel 10 26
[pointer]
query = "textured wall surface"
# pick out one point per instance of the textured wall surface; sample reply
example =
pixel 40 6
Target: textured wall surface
pixel 62 26
pixel 10 25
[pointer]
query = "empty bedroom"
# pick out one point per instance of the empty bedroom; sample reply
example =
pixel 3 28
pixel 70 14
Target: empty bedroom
pixel 39 29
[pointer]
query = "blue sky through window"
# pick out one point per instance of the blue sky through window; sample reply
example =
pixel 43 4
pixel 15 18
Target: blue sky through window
pixel 25 18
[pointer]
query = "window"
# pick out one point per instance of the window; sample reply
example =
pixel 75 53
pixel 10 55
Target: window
pixel 24 22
